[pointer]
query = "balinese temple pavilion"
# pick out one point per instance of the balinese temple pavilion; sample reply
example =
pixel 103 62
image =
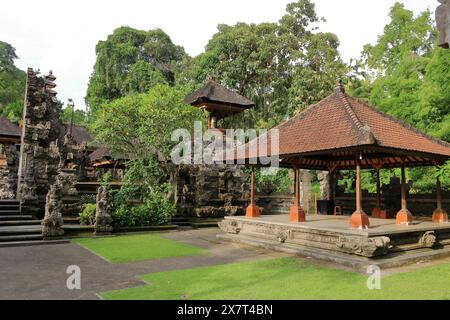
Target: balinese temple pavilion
pixel 219 102
pixel 341 133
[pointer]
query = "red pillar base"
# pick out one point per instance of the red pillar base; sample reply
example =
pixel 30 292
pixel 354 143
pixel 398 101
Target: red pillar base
pixel 404 217
pixel 252 211
pixel 359 220
pixel 440 216
pixel 297 214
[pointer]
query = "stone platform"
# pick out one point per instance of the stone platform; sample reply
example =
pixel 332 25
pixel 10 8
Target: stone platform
pixel 329 238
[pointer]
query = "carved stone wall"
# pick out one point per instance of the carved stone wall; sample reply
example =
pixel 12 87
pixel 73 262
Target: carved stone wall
pixel 8 174
pixel 210 191
pixel 39 158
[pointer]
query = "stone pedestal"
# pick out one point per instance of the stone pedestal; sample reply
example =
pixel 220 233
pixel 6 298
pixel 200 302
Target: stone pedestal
pixel 440 216
pixel 359 220
pixel 252 211
pixel 404 217
pixel 297 214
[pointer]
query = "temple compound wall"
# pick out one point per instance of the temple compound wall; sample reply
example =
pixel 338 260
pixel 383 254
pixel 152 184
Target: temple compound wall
pixel 8 173
pixel 210 191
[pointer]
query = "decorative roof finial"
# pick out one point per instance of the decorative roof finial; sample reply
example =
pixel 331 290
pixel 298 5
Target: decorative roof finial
pixel 339 86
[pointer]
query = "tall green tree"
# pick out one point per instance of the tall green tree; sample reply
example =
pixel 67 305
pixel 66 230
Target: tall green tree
pixel 267 63
pixel 406 75
pixel 12 83
pixel 140 126
pixel 79 117
pixel 132 61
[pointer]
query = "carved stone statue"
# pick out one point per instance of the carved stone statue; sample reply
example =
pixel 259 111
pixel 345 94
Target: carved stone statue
pixel 324 181
pixel 443 23
pixel 103 219
pixel 52 223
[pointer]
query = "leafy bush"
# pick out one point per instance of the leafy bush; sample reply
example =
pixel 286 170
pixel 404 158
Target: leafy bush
pixel 142 200
pixel 88 198
pixel 87 216
pixel 156 210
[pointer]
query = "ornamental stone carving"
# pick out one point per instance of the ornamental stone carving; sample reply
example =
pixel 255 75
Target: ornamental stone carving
pixel 229 226
pixel 428 239
pixel 103 219
pixel 53 222
pixel 367 247
pixel 282 235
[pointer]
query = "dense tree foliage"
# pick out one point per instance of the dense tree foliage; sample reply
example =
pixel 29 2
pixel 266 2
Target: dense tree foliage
pixel 406 75
pixel 79 117
pixel 139 126
pixel 12 84
pixel 282 66
pixel 132 61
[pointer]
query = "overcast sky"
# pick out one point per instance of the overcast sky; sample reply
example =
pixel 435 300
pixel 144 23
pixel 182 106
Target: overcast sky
pixel 61 35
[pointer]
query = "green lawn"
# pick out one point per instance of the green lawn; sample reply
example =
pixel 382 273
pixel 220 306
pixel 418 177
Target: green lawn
pixel 286 278
pixel 137 247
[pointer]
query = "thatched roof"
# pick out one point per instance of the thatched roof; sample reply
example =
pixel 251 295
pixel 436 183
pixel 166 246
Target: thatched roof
pixel 9 129
pixel 215 93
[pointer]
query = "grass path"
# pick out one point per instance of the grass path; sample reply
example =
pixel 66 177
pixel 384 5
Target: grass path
pixel 286 278
pixel 138 247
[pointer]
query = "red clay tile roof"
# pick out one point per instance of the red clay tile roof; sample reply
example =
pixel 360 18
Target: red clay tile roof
pixel 341 122
pixel 216 93
pixel 9 129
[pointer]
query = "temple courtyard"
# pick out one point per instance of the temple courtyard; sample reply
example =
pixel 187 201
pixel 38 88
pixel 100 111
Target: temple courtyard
pixel 195 264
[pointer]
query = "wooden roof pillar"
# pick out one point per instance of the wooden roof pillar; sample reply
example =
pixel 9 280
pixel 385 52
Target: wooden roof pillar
pixel 297 214
pixel 404 216
pixel 359 219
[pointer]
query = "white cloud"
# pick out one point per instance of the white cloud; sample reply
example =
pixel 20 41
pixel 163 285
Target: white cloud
pixel 61 35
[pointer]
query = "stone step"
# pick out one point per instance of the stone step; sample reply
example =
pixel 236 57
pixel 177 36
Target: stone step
pixel 71 220
pixel 204 224
pixel 9 212
pixel 9 207
pixel 20 230
pixel 19 223
pixel 21 237
pixel 12 201
pixel 27 243
pixel 15 217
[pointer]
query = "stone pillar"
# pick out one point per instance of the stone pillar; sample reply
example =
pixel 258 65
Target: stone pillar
pixel 305 192
pixel 404 216
pixel 103 219
pixel 252 210
pixel 359 219
pixel 297 214
pixel 439 215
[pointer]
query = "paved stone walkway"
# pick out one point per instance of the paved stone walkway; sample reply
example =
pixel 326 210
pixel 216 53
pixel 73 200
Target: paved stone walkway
pixel 39 272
